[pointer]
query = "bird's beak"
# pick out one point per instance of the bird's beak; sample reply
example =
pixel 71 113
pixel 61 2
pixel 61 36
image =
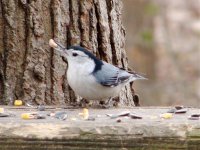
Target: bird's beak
pixel 56 45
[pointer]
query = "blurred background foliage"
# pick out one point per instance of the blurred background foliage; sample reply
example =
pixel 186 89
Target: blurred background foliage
pixel 163 42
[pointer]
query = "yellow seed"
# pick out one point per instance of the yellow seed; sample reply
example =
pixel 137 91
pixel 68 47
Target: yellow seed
pixel 85 113
pixel 1 110
pixel 18 102
pixel 26 116
pixel 166 115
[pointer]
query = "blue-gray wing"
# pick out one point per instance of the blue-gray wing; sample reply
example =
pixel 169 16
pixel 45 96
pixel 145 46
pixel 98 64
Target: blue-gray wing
pixel 111 76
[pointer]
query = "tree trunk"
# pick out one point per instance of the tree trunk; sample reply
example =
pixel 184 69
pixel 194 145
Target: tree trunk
pixel 29 68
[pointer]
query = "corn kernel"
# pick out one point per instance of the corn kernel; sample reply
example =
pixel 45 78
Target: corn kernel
pixel 85 113
pixel 27 116
pixel 1 110
pixel 166 115
pixel 18 103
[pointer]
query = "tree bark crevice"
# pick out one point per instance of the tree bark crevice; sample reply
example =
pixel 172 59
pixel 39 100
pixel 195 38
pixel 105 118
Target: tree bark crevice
pixel 103 30
pixel 2 78
pixel 93 38
pixel 13 40
pixel 112 42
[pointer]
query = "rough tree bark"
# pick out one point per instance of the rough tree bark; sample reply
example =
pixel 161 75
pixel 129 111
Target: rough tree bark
pixel 30 70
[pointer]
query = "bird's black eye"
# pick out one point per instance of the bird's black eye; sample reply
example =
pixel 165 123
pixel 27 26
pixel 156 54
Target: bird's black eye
pixel 74 54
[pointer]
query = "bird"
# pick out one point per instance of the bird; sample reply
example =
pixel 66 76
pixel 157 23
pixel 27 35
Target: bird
pixel 92 78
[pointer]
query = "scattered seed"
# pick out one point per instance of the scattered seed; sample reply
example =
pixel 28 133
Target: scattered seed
pixel 85 113
pixel 178 110
pixel 119 120
pixel 166 115
pixel 1 110
pixel 194 117
pixel 4 115
pixel 18 102
pixel 122 114
pixel 181 111
pixel 52 43
pixel 133 116
pixel 27 116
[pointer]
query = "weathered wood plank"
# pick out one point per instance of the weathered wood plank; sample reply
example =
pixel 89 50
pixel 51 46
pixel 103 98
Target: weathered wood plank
pixel 149 132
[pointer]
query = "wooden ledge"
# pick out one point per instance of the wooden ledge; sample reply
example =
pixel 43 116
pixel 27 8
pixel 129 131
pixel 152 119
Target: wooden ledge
pixel 151 131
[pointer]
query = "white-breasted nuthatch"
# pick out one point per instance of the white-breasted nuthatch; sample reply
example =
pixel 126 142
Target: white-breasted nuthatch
pixel 92 78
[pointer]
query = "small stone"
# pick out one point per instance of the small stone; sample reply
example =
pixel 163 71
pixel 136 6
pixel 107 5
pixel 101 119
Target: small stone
pixel 32 115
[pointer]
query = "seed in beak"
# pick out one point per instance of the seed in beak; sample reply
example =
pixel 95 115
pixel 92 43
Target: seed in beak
pixel 52 43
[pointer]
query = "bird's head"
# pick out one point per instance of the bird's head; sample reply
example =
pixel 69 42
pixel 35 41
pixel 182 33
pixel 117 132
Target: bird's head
pixel 77 55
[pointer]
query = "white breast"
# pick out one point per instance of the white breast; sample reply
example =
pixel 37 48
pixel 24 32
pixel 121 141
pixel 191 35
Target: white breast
pixel 84 84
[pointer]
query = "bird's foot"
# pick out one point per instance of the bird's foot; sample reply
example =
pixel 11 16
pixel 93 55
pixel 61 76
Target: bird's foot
pixel 106 105
pixel 84 103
